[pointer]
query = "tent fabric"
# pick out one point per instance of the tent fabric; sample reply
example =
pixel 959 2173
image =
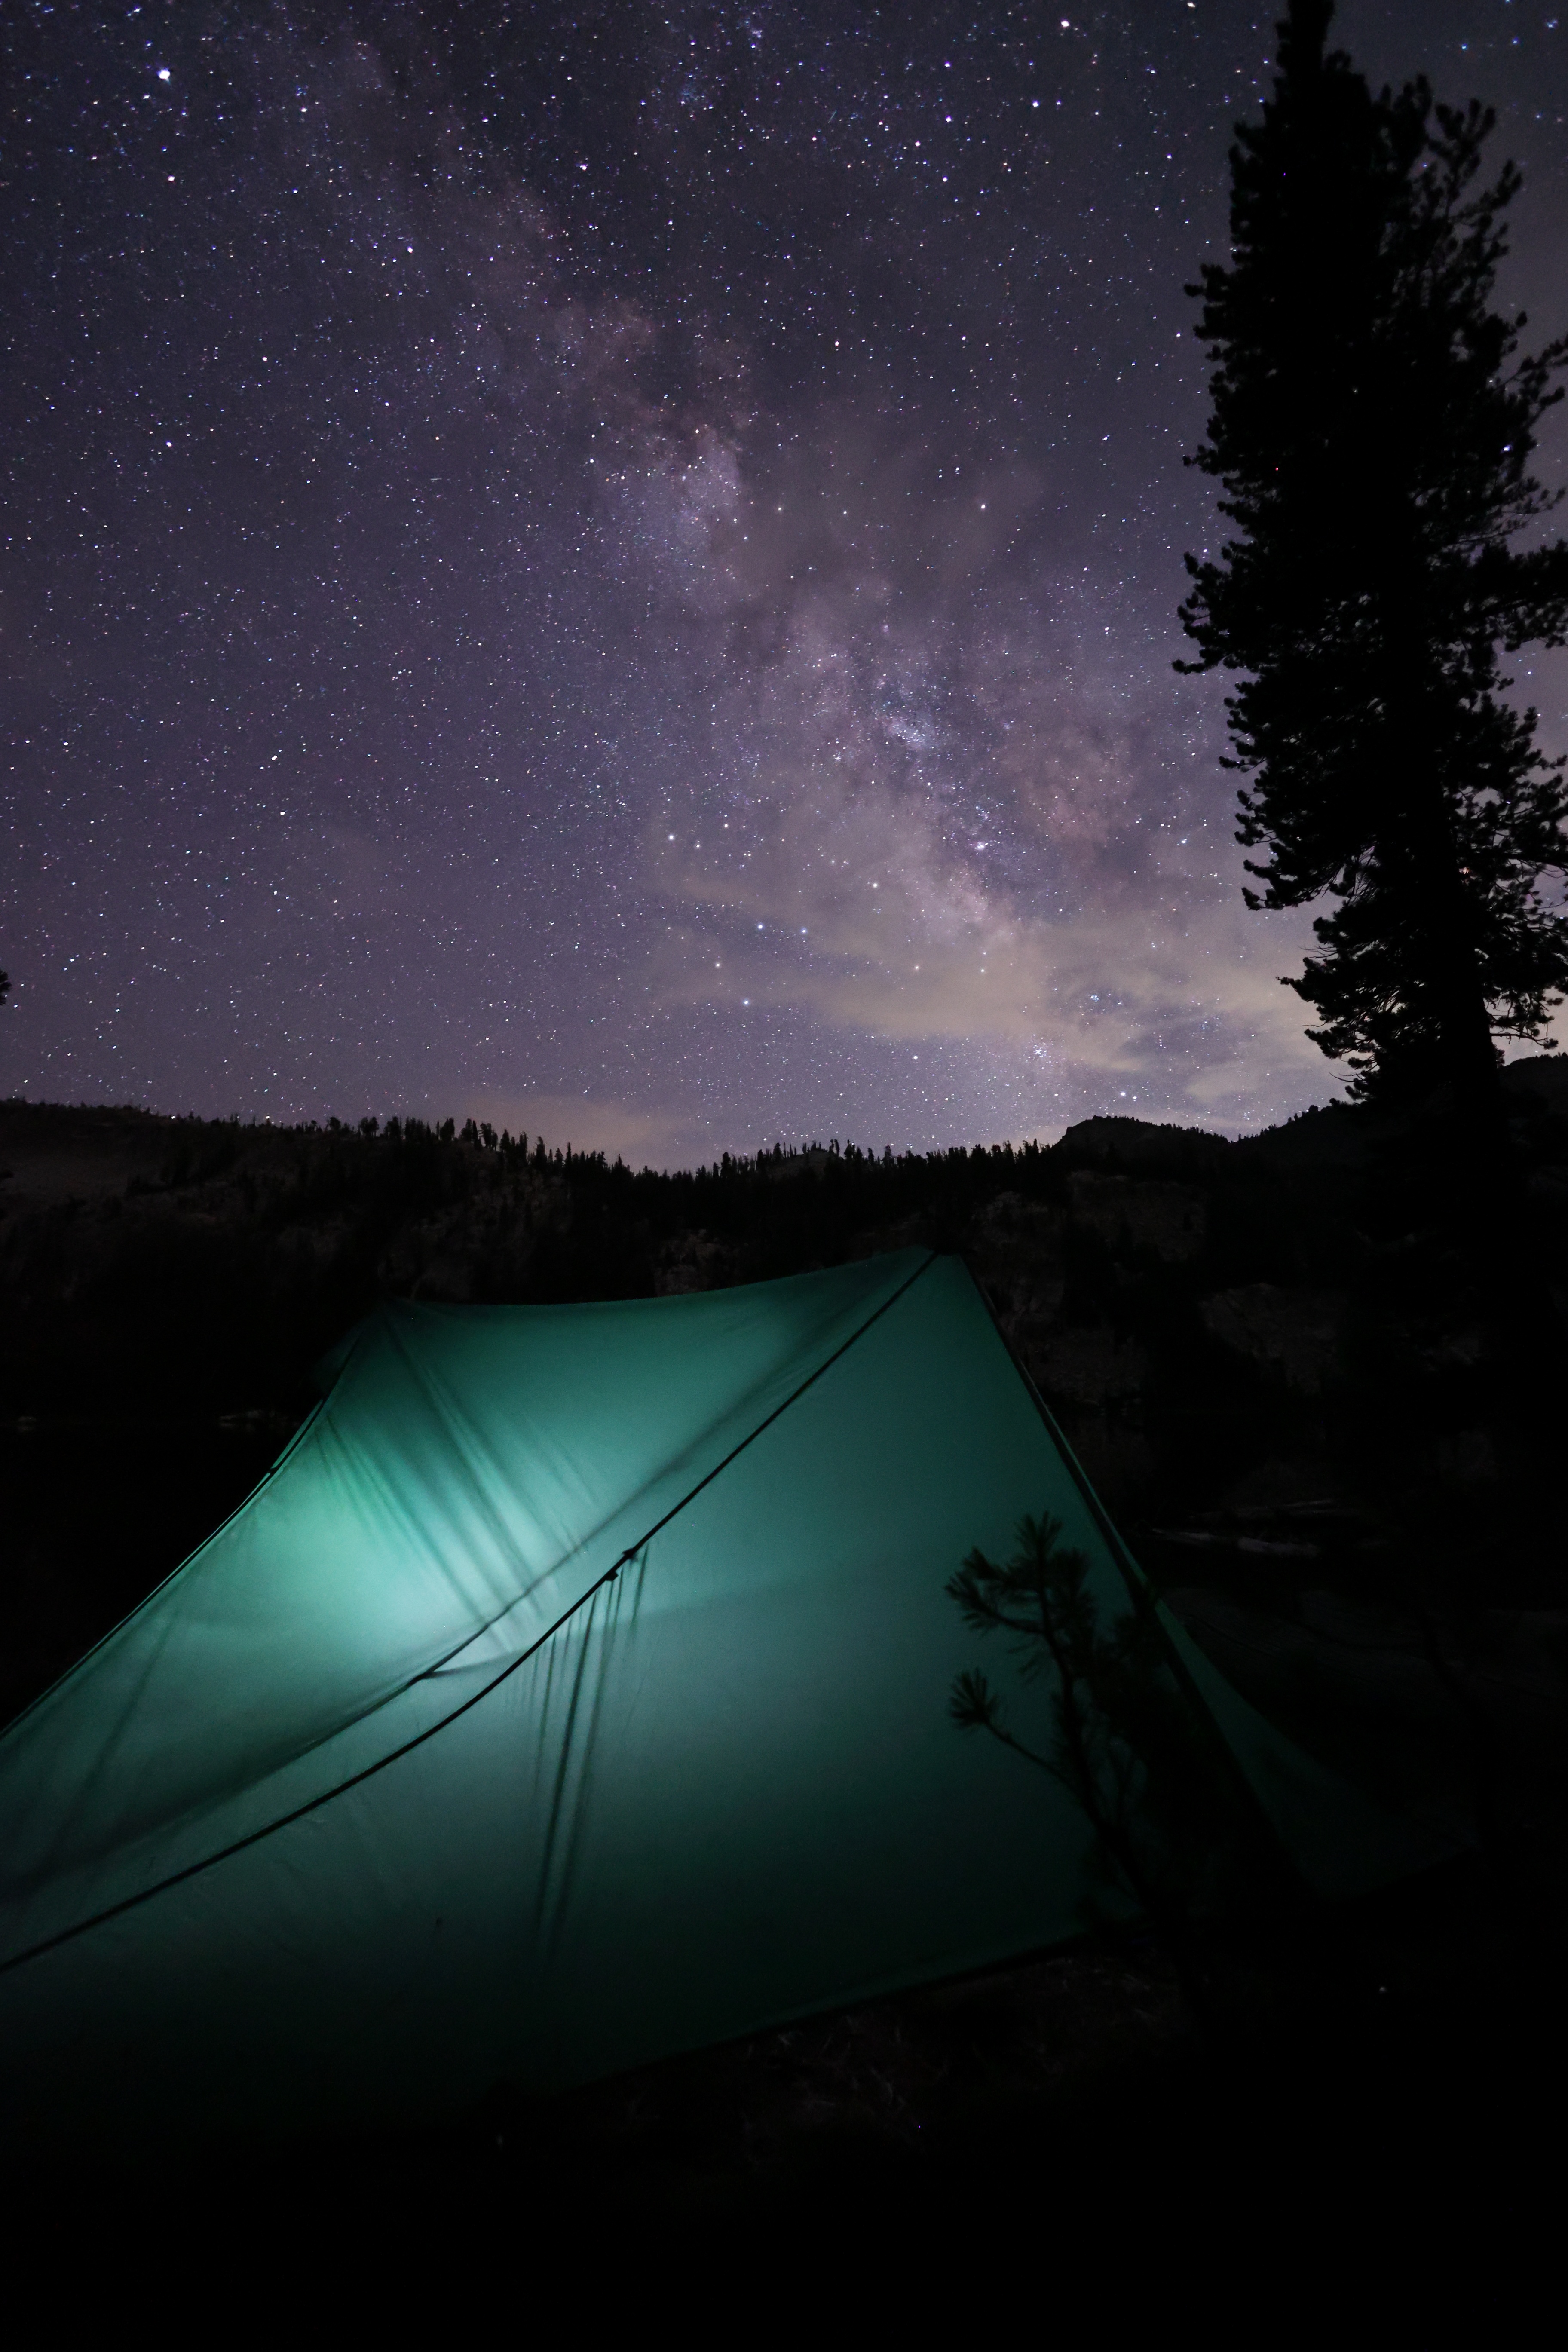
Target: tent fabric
pixel 572 1692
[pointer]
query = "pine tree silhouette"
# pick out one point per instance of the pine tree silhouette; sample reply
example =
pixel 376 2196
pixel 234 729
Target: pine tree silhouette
pixel 1372 427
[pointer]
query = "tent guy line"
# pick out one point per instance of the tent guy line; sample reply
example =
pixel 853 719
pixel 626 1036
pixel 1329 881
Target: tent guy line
pixel 314 1804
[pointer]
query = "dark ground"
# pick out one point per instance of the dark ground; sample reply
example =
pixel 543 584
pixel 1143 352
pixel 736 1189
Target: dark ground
pixel 1319 1377
pixel 1049 2150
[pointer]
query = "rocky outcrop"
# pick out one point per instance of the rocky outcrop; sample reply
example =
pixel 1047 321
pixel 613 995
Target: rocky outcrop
pixel 1294 1334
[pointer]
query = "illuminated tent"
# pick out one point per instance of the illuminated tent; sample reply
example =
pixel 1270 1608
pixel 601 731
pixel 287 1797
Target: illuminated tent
pixel 573 1691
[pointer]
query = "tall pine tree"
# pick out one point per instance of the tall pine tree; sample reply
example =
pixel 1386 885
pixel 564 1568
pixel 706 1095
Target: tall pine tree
pixel 1372 428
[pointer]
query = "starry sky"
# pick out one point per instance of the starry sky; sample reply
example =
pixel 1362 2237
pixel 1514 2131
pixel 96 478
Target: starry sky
pixel 612 568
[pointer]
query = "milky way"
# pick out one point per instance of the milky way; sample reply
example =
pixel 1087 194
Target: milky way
pixel 615 569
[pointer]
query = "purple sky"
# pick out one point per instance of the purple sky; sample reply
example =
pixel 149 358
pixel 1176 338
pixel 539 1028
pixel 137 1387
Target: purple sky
pixel 620 576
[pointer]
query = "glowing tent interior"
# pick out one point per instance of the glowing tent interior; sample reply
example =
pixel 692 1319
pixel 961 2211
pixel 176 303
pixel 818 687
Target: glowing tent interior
pixel 573 1691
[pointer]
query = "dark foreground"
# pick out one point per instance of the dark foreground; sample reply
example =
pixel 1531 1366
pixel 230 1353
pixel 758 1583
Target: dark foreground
pixel 1372 2145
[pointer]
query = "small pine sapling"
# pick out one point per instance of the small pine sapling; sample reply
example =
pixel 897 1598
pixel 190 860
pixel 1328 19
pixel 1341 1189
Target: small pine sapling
pixel 1130 1742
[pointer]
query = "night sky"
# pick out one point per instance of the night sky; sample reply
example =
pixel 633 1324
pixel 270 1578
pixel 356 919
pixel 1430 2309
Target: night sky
pixel 614 569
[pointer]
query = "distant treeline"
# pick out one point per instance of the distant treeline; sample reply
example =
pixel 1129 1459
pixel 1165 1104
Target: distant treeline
pixel 206 1148
pixel 216 1258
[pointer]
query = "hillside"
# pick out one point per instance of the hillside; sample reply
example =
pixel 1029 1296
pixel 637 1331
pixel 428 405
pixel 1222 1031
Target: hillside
pixel 1317 1374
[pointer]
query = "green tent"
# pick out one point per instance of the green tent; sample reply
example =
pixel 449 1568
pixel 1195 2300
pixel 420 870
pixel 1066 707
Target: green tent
pixel 573 1691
